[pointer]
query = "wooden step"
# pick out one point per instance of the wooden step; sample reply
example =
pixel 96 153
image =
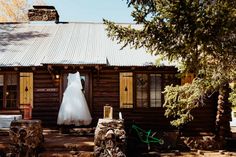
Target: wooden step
pixel 10 112
pixel 59 142
pixel 66 154
pixel 4 132
pixel 56 142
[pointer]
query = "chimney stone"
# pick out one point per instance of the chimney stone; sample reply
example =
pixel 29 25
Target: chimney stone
pixel 43 13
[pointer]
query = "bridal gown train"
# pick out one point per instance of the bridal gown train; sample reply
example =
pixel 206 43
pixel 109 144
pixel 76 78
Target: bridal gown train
pixel 74 109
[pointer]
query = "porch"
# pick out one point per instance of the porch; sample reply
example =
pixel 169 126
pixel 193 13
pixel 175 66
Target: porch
pixel 80 142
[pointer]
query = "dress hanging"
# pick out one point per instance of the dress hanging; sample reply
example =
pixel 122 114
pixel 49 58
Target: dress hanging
pixel 74 108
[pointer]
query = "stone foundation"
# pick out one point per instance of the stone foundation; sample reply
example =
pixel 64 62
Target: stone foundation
pixel 110 138
pixel 26 136
pixel 202 142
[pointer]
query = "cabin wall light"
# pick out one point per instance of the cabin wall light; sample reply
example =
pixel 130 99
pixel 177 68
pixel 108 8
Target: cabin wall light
pixel 57 76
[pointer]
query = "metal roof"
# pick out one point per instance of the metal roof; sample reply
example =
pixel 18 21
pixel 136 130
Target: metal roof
pixel 69 43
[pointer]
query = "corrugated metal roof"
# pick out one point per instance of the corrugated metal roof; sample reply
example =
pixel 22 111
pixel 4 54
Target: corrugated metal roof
pixel 70 43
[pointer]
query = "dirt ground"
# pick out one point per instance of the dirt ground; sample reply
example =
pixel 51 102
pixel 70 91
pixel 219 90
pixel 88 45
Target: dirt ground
pixel 199 153
pixel 58 142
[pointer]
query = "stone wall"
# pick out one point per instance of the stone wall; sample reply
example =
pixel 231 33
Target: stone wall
pixel 43 14
pixel 26 137
pixel 110 138
pixel 202 142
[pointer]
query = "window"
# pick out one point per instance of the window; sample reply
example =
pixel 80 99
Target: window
pixel 155 90
pixel 148 90
pixel 8 91
pixel 126 90
pixel 142 90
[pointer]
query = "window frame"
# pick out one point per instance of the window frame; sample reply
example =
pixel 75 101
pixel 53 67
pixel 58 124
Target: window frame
pixel 148 90
pixel 164 82
pixel 4 100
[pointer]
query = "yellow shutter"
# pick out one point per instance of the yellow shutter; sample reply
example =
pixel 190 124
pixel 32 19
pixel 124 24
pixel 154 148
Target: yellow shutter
pixel 126 90
pixel 26 88
pixel 188 78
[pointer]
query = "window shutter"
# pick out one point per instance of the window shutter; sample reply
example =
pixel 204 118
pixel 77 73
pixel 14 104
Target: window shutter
pixel 26 89
pixel 188 78
pixel 126 90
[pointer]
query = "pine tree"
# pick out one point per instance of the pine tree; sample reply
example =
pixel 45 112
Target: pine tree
pixel 200 35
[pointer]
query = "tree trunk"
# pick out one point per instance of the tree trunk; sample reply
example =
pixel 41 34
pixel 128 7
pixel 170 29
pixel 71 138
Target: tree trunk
pixel 223 113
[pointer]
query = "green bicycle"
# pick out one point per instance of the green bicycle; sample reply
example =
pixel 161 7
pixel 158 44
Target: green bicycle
pixel 147 137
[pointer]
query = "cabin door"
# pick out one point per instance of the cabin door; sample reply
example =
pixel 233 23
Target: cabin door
pixel 85 83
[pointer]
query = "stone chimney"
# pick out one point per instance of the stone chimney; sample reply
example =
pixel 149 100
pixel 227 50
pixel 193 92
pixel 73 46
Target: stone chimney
pixel 43 13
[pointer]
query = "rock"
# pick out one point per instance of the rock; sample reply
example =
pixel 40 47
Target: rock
pixel 199 152
pixel 73 152
pixel 221 152
pixel 109 134
pixel 110 138
pixel 26 136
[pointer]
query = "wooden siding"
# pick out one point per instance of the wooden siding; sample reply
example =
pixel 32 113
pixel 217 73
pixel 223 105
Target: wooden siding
pixel 46 98
pixel 106 91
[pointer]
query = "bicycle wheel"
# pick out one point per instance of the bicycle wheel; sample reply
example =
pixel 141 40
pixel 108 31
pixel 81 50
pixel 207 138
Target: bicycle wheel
pixel 161 141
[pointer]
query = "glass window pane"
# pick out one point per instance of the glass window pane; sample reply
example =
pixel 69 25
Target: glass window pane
pixel 11 91
pixel 155 90
pixel 142 90
pixel 155 94
pixel 11 79
pixel 155 103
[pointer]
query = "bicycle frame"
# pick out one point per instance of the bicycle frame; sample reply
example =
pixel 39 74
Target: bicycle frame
pixel 146 136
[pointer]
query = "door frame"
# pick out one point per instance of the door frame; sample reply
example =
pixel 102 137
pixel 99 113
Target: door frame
pixel 88 85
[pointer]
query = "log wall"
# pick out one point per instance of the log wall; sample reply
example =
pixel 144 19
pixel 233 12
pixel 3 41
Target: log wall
pixel 106 91
pixel 46 98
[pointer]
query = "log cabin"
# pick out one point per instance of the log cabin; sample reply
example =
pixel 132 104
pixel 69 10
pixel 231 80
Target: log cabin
pixel 36 58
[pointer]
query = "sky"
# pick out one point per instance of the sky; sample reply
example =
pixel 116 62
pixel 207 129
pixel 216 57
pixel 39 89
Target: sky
pixel 91 10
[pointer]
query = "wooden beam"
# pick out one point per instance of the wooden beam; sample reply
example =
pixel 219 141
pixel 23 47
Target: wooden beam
pixel 98 71
pixel 33 68
pixel 97 67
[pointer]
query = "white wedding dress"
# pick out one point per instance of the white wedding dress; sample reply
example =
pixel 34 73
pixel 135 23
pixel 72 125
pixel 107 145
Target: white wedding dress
pixel 74 109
